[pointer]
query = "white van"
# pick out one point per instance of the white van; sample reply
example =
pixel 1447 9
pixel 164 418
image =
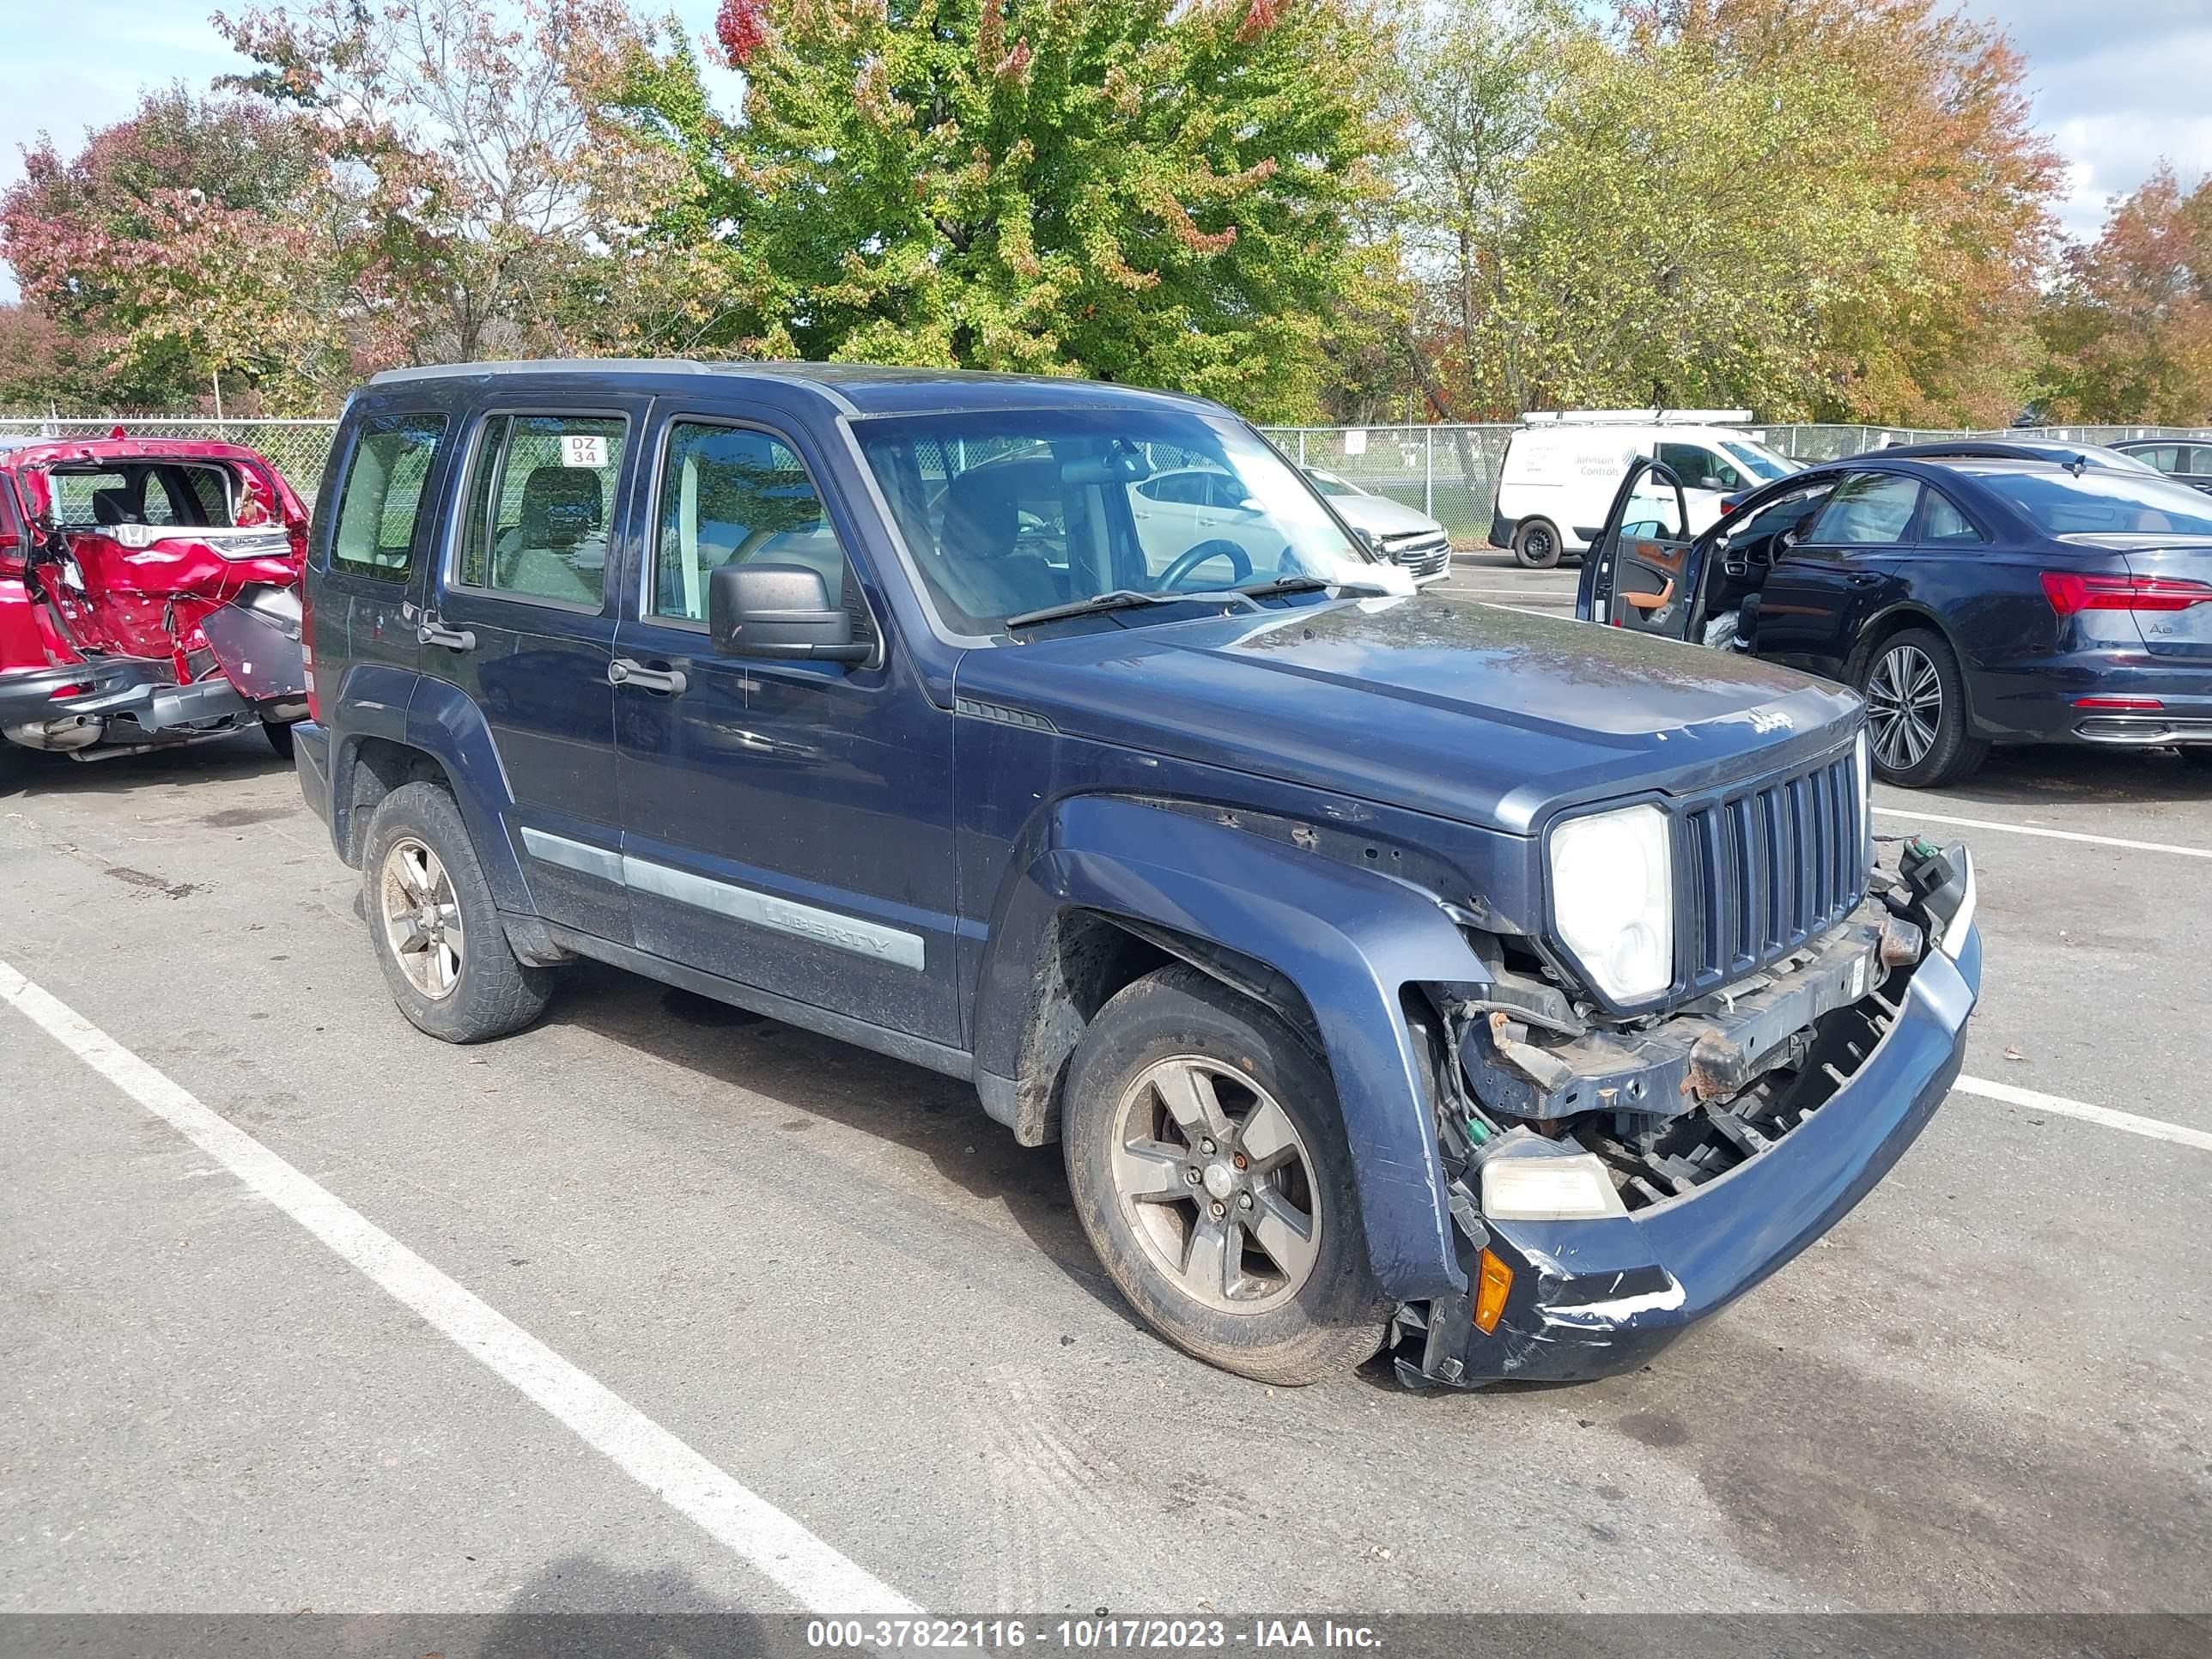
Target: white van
pixel 1561 471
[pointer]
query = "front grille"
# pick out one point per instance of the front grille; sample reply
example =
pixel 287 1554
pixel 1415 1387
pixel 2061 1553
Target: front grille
pixel 1768 867
pixel 1423 552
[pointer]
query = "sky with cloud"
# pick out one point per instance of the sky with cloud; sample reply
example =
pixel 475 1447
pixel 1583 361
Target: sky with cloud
pixel 2118 85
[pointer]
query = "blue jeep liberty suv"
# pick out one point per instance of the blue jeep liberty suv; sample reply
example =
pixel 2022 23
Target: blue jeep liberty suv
pixel 1395 972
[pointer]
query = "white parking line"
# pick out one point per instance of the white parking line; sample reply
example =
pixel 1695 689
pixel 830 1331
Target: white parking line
pixel 2035 1100
pixel 742 1521
pixel 2049 835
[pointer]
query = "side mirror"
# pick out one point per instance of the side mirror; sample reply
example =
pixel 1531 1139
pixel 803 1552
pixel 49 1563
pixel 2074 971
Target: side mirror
pixel 1709 481
pixel 778 610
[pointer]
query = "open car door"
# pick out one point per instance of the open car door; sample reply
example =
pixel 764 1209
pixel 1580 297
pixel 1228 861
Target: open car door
pixel 1638 573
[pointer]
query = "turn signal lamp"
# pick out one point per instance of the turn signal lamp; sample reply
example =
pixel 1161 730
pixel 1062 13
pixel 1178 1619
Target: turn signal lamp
pixel 1493 1284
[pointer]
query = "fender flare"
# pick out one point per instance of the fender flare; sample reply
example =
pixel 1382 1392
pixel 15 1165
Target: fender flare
pixel 446 724
pixel 1348 939
pixel 380 703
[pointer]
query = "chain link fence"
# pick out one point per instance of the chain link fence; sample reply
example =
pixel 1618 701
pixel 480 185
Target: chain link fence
pixel 299 448
pixel 1448 472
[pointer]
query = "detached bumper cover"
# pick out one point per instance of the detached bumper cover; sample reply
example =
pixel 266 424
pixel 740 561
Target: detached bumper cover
pixel 1593 1299
pixel 108 688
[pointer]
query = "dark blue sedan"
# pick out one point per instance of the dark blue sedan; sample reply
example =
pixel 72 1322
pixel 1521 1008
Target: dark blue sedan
pixel 1972 599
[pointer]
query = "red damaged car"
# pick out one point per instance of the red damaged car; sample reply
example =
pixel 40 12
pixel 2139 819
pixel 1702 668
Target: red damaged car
pixel 150 595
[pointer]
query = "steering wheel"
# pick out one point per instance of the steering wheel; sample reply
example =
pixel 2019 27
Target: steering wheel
pixel 1218 547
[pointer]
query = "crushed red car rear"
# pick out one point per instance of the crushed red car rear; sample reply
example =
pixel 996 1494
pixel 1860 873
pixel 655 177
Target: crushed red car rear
pixel 150 595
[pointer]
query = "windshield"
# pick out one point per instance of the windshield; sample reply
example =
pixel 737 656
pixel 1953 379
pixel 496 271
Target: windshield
pixel 1328 483
pixel 2105 503
pixel 1007 512
pixel 1756 459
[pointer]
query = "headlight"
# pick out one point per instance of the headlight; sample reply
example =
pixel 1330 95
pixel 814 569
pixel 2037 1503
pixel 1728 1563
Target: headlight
pixel 1613 899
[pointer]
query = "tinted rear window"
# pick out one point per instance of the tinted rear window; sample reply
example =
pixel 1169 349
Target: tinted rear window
pixel 2104 503
pixel 383 496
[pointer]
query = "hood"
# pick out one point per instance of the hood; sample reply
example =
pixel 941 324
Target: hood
pixel 1381 516
pixel 1471 712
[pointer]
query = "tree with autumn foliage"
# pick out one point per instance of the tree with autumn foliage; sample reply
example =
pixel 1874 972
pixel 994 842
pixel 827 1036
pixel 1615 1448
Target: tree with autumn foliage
pixel 1822 209
pixel 189 242
pixel 461 129
pixel 1160 191
pixel 2129 329
pixel 1963 184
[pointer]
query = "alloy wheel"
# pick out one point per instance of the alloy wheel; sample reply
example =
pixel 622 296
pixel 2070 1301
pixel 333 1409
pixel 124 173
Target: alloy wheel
pixel 1217 1183
pixel 421 917
pixel 1904 707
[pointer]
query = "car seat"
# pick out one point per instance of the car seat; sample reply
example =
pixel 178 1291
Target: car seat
pixel 977 561
pixel 557 549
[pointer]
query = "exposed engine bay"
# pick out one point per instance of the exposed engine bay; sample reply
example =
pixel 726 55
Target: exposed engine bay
pixel 1669 1102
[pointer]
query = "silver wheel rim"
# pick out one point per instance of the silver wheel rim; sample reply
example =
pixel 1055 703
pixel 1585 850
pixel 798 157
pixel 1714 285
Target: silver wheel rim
pixel 422 918
pixel 1217 1184
pixel 1904 707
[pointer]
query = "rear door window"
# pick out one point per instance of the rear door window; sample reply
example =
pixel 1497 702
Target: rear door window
pixel 1940 521
pixel 381 502
pixel 539 501
pixel 1867 509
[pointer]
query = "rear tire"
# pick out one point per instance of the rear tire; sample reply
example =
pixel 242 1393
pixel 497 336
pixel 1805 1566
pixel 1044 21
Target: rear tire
pixel 1239 1240
pixel 437 933
pixel 279 733
pixel 1536 545
pixel 1916 712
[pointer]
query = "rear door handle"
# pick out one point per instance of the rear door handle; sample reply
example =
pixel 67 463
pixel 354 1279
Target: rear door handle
pixel 624 671
pixel 453 639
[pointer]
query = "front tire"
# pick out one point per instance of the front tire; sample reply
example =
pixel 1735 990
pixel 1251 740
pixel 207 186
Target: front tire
pixel 1916 712
pixel 1536 545
pixel 437 932
pixel 1206 1158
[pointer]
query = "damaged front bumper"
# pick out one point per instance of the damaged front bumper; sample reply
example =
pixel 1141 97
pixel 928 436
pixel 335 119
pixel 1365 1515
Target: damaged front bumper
pixel 1593 1297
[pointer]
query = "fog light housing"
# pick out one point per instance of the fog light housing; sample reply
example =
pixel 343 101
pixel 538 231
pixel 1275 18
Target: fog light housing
pixel 1548 1187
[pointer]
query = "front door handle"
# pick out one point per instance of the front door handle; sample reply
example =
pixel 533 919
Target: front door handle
pixel 624 670
pixel 453 639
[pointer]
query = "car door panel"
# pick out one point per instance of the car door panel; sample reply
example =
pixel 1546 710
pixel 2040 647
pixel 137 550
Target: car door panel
pixel 515 626
pixel 1846 569
pixel 785 824
pixel 1639 574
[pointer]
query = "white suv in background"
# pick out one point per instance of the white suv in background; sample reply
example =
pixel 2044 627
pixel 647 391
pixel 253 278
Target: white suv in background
pixel 1561 471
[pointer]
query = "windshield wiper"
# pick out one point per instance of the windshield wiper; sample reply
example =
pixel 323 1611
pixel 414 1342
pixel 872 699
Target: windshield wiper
pixel 1118 598
pixel 1121 599
pixel 1268 590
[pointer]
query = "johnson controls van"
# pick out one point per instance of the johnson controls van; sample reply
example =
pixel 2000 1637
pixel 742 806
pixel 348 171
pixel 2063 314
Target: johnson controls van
pixel 1561 471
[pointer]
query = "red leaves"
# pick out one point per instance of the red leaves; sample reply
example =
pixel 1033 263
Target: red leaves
pixel 744 28
pixel 1261 16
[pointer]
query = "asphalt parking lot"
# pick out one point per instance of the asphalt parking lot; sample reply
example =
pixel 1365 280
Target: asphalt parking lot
pixel 830 1281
